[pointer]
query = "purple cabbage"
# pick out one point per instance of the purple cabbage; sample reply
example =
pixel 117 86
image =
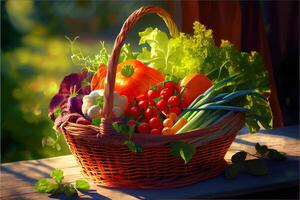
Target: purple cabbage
pixel 69 97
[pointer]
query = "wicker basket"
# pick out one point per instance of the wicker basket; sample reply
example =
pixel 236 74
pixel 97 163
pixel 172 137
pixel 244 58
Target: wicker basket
pixel 105 159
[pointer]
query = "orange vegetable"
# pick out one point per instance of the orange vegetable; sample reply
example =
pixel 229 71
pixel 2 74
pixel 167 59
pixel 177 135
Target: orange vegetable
pixel 172 116
pixel 175 128
pixel 98 79
pixel 178 125
pixel 168 123
pixel 132 78
pixel 166 131
pixel 193 85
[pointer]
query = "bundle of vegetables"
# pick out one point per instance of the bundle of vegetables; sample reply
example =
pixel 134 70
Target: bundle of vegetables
pixel 212 106
pixel 159 92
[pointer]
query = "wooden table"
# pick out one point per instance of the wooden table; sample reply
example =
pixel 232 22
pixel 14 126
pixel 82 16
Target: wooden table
pixel 18 178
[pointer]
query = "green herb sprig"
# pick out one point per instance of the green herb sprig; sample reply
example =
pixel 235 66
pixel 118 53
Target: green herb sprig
pixel 58 187
pixel 255 166
pixel 128 131
pixel 183 150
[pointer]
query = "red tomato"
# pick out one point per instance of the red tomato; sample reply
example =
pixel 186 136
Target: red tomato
pixel 151 103
pixel 143 104
pixel 166 93
pixel 155 123
pixel 161 104
pixel 144 119
pixel 150 112
pixel 155 131
pixel 131 122
pixel 141 97
pixel 174 101
pixel 134 111
pixel 143 128
pixel 159 87
pixel 152 94
pixel 166 112
pixel 175 110
pixel 171 84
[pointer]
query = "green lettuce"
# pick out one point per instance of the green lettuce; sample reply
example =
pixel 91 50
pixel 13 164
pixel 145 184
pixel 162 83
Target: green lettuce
pixel 185 54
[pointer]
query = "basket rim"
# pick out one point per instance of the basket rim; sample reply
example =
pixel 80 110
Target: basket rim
pixel 92 133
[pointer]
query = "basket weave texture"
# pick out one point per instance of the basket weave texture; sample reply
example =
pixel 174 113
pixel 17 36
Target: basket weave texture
pixel 105 159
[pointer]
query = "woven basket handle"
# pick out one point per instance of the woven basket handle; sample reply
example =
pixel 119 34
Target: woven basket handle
pixel 113 60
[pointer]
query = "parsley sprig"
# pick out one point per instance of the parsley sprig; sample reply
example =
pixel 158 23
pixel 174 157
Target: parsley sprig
pixel 58 187
pixel 255 166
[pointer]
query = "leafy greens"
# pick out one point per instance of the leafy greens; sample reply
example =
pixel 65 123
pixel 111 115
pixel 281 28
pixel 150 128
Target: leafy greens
pixel 186 54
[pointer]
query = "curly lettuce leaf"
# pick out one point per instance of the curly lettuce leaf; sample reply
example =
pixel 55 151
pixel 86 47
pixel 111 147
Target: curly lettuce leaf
pixel 185 54
pixel 176 57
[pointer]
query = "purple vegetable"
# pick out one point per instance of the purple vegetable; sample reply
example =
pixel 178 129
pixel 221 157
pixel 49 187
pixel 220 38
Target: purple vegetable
pixel 70 86
pixel 82 120
pixel 72 83
pixel 74 104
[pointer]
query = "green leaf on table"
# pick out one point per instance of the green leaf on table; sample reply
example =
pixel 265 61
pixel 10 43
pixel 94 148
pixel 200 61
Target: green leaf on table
pixel 231 171
pixel 69 190
pixel 57 175
pixel 256 167
pixel 239 157
pixel 96 121
pixel 183 150
pixel 275 155
pixel 261 149
pixel 45 186
pixel 82 185
pixel 133 147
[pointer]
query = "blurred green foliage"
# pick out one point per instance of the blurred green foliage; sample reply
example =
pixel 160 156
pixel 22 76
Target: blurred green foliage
pixel 35 57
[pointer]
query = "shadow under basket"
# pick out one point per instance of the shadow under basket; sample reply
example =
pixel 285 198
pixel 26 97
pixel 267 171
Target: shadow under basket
pixel 105 159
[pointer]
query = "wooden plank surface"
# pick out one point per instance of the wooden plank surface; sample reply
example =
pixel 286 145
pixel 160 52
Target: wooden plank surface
pixel 18 178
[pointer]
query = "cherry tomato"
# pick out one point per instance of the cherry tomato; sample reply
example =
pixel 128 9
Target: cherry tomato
pixel 151 103
pixel 143 104
pixel 165 112
pixel 152 94
pixel 144 119
pixel 174 101
pixel 161 104
pixel 168 123
pixel 176 110
pixel 155 123
pixel 134 111
pixel 171 84
pixel 159 87
pixel 166 93
pixel 172 116
pixel 143 128
pixel 155 131
pixel 141 97
pixel 150 112
pixel 131 123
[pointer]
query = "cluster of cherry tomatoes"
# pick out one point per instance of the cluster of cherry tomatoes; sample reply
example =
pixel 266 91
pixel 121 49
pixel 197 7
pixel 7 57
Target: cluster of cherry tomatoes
pixel 148 111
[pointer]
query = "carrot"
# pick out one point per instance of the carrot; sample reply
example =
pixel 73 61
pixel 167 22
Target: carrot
pixel 178 125
pixel 168 123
